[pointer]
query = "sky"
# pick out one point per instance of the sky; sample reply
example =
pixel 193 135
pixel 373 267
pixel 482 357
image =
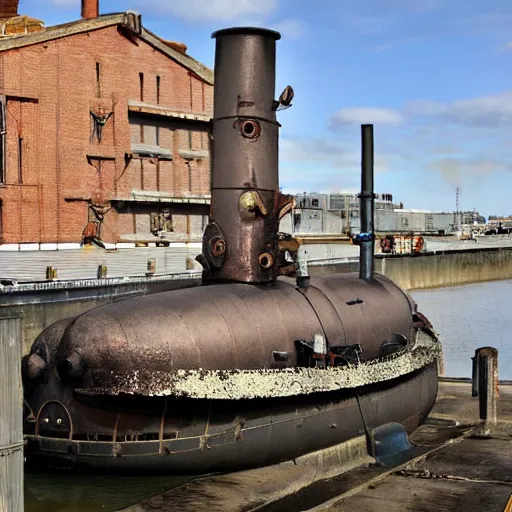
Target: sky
pixel 433 76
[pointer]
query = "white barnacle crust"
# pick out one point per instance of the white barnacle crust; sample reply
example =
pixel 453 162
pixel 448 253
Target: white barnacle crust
pixel 270 383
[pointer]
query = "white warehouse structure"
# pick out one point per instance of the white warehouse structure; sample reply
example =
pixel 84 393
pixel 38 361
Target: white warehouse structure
pixel 338 214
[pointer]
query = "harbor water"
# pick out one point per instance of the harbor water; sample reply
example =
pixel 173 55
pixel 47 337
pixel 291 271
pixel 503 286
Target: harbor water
pixel 50 492
pixel 465 317
pixel 468 317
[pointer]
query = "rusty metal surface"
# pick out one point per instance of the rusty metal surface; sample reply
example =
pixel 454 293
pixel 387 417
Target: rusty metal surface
pixel 233 326
pixel 246 201
pixel 220 327
pixel 265 383
pixel 197 436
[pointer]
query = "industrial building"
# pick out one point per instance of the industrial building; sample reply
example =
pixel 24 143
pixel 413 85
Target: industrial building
pixel 329 213
pixel 104 132
pixel 338 214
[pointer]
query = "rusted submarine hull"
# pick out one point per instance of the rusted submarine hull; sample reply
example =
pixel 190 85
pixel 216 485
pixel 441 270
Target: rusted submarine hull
pixel 186 436
pixel 232 326
pixel 218 327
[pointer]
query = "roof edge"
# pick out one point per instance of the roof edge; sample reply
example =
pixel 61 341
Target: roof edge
pixel 202 71
pixel 107 20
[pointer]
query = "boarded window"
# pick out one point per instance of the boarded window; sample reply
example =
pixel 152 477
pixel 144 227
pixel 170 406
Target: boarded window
pixel 161 221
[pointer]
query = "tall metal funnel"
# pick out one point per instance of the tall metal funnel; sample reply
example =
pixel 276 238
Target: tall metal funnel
pixel 241 241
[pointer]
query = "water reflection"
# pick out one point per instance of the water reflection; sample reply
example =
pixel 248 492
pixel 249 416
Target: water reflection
pixel 47 492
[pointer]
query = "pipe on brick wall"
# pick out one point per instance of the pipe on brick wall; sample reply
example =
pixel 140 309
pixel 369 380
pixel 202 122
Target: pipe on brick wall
pixel 90 9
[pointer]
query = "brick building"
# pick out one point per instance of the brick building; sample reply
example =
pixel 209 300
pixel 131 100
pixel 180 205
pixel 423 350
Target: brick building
pixel 104 132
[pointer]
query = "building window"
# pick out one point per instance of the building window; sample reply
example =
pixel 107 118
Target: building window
pixel 98 80
pixel 158 90
pixel 161 221
pixel 141 86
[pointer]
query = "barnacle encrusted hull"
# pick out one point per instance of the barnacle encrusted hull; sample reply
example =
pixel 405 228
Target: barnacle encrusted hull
pixel 269 383
pixel 186 436
pixel 101 412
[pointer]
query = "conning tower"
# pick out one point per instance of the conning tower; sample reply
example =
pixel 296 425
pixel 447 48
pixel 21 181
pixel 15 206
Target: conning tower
pixel 241 240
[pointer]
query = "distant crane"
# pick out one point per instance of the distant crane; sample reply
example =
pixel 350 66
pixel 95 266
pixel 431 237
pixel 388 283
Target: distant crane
pixel 457 211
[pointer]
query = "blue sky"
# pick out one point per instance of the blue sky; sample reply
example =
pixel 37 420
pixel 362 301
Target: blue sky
pixel 434 76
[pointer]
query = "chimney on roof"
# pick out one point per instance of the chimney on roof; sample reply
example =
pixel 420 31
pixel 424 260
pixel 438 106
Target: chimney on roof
pixel 8 8
pixel 90 9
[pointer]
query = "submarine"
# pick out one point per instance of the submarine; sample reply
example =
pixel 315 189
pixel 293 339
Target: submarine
pixel 261 363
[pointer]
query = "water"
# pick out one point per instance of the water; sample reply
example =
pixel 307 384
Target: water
pixel 47 492
pixel 468 317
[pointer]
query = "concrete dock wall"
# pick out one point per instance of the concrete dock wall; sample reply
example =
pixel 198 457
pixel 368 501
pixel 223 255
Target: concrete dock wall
pixel 449 269
pixel 433 269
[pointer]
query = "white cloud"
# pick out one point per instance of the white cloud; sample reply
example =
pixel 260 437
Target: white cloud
pixel 484 112
pixel 492 111
pixel 362 115
pixel 213 10
pixel 291 29
pixel 328 152
pixel 323 165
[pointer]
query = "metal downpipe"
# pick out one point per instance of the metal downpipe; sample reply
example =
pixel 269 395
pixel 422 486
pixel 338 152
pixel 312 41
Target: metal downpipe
pixel 366 197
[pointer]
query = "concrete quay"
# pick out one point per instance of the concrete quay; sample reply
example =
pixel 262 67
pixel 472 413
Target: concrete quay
pixel 453 465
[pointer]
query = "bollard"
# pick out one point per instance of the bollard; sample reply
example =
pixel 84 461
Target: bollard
pixel 11 415
pixel 51 273
pixel 151 268
pixel 190 263
pixel 485 384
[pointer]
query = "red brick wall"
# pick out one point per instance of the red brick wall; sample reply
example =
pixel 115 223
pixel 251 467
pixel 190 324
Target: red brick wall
pixel 49 205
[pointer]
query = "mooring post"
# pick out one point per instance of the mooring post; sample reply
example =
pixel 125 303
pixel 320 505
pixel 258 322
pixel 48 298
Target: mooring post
pixel 486 384
pixel 11 415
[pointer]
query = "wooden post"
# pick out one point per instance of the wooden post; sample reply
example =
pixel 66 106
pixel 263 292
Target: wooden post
pixel 11 415
pixel 486 383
